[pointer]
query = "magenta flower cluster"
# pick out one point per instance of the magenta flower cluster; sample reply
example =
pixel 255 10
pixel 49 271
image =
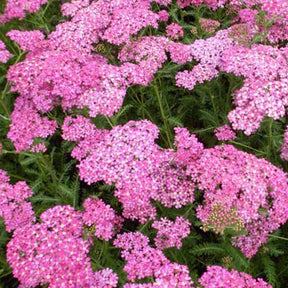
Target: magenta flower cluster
pixel 66 69
pixel 53 250
pixel 15 209
pixel 4 53
pixel 217 276
pixel 19 8
pixel 170 234
pixel 144 261
pixel 106 223
pixel 239 180
pixel 225 133
pixel 128 157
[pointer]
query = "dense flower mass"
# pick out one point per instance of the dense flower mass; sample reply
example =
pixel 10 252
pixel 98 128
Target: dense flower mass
pixel 106 278
pixel 15 209
pixel 106 92
pixel 23 133
pixel 128 157
pixel 143 261
pixel 264 92
pixel 19 8
pixel 171 233
pixel 217 277
pixel 224 133
pixel 106 222
pixel 208 53
pixel 238 180
pixel 4 53
pixel 174 31
pixel 51 253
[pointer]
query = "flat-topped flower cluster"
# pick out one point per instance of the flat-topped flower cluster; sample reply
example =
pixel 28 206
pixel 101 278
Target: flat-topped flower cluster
pixel 85 68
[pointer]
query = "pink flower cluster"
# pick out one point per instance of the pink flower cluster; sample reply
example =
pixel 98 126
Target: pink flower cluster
pixel 212 4
pixel 208 53
pixel 52 251
pixel 170 234
pixel 238 180
pixel 15 210
pixel 174 188
pixel 105 278
pixel 217 277
pixel 102 217
pixel 4 53
pixel 149 53
pixel 142 260
pixel 63 70
pixel 145 261
pixel 128 157
pixel 189 148
pixel 23 133
pixel 174 31
pixel 265 89
pixel 225 133
pixel 19 8
pixel 250 189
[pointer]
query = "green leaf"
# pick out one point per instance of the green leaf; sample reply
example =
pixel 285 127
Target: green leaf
pixel 208 249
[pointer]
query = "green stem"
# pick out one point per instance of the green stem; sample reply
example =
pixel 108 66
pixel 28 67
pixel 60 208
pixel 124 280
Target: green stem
pixel 203 130
pixel 109 121
pixel 144 226
pixel 243 145
pixel 164 119
pixel 5 118
pixel 187 212
pixel 278 237
pixel 270 136
pixel 5 110
pixel 76 196
pixel 214 108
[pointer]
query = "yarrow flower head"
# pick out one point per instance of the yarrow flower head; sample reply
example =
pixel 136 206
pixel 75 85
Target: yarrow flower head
pixel 188 146
pixel 171 233
pixel 126 157
pixel 28 40
pixel 23 133
pixel 104 219
pixel 174 31
pixel 142 260
pixel 52 252
pixel 225 133
pixel 105 278
pixel 219 277
pixel 163 15
pixel 19 8
pixel 15 210
pixel 174 188
pixel 238 180
pixel 4 53
pixel 208 52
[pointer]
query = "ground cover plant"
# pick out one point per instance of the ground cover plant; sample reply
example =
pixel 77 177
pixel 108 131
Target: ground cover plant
pixel 143 143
